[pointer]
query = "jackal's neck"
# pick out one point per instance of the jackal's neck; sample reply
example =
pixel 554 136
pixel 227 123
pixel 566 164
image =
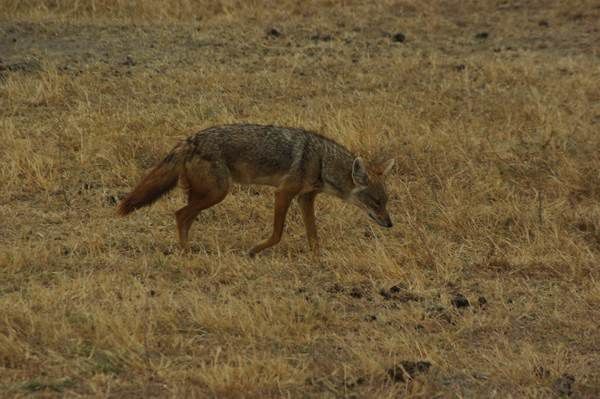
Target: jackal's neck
pixel 336 170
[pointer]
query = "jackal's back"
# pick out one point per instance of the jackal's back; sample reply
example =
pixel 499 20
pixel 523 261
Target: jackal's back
pixel 261 154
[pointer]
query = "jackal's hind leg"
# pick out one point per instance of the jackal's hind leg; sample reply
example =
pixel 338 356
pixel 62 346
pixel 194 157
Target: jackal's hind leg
pixel 186 215
pixel 205 189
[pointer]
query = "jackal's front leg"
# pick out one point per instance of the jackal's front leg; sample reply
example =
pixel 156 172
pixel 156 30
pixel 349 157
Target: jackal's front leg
pixel 283 198
pixel 307 205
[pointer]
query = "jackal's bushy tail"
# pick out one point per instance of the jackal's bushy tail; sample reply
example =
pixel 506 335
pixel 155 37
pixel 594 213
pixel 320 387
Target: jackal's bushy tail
pixel 162 179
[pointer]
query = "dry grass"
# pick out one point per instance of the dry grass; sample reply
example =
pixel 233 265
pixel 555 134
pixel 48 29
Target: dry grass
pixel 495 195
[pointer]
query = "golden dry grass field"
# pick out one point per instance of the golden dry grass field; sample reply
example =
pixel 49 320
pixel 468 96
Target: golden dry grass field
pixel 490 108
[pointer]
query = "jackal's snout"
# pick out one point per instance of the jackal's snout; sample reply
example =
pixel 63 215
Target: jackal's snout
pixel 387 222
pixel 369 192
pixel 383 220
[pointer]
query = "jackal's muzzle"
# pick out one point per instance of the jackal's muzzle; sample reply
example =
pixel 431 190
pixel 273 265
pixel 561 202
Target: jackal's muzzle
pixel 384 220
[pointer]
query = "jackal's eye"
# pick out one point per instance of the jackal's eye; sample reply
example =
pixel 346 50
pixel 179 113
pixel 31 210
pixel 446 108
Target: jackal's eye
pixel 373 201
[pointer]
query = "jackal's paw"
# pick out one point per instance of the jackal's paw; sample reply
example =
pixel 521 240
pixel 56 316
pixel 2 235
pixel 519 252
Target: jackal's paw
pixel 255 249
pixel 196 248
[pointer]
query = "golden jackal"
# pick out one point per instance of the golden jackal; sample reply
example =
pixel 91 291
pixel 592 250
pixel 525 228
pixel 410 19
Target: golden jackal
pixel 298 163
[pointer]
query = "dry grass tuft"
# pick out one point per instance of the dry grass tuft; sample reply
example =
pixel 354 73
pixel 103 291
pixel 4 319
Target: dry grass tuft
pixel 495 197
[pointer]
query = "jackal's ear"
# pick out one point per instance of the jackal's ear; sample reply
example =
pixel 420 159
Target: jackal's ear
pixel 386 167
pixel 359 172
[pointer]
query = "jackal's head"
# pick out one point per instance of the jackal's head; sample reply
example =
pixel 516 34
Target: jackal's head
pixel 369 191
